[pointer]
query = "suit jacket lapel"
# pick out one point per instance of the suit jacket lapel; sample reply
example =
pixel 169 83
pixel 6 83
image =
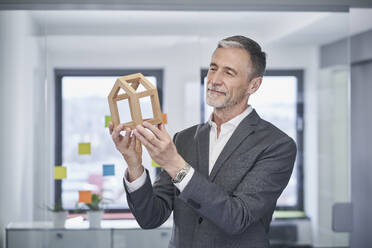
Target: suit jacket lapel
pixel 203 149
pixel 244 129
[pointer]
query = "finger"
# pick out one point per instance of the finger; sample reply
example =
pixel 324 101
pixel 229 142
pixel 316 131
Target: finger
pixel 127 139
pixel 153 129
pixel 132 142
pixel 135 144
pixel 150 137
pixel 144 141
pixel 116 136
pixel 162 128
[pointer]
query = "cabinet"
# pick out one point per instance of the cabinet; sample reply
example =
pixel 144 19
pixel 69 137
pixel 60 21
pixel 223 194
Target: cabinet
pixel 113 234
pixel 58 238
pixel 141 238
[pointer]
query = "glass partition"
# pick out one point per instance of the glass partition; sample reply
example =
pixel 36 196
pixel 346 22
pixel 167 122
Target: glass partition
pixel 64 63
pixel 360 123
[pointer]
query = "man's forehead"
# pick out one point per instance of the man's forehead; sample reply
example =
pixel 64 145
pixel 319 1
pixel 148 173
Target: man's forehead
pixel 230 57
pixel 230 52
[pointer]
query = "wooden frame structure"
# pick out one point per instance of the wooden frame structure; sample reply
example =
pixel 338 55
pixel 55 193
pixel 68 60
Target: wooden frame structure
pixel 130 84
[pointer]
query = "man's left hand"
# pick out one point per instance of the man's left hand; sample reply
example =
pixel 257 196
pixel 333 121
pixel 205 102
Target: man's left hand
pixel 160 147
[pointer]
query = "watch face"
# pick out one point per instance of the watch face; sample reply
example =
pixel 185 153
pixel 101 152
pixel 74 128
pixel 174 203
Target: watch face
pixel 180 175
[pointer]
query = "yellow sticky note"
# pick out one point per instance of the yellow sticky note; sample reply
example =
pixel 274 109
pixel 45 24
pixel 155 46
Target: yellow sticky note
pixel 60 172
pixel 85 196
pixel 107 120
pixel 155 164
pixel 84 148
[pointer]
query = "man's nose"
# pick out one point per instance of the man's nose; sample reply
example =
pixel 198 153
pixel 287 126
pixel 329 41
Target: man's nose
pixel 216 78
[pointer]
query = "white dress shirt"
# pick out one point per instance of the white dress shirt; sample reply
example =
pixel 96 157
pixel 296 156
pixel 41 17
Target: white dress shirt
pixel 216 145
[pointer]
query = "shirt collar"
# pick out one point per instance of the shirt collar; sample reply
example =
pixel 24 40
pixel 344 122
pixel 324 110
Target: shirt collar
pixel 234 122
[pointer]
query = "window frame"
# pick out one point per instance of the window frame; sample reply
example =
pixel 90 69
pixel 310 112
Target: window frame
pixel 299 74
pixel 58 75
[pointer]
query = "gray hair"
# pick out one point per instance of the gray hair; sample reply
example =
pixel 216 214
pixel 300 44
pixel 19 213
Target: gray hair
pixel 258 57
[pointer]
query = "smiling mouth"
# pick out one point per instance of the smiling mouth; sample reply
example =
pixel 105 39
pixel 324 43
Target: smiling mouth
pixel 216 92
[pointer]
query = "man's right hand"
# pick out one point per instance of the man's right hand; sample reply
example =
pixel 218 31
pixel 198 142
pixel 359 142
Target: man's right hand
pixel 131 149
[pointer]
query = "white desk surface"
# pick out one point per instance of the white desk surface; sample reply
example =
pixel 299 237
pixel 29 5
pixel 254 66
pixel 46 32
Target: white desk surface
pixel 79 223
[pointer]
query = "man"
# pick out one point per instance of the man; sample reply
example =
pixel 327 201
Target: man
pixel 221 178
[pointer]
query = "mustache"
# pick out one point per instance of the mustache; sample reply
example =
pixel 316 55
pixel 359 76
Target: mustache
pixel 211 87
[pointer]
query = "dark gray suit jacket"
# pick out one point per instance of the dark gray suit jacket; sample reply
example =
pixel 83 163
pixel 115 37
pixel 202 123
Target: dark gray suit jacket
pixel 231 207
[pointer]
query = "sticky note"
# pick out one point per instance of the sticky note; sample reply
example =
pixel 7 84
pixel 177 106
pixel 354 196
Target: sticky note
pixel 85 196
pixel 165 119
pixel 155 164
pixel 59 172
pixel 107 120
pixel 108 170
pixel 84 148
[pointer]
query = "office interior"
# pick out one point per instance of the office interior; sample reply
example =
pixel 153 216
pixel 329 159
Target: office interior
pixel 330 45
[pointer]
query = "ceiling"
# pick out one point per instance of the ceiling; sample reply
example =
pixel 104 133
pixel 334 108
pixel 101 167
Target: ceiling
pixel 194 5
pixel 302 28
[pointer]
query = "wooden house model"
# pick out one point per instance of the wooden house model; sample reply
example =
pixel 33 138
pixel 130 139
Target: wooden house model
pixel 130 85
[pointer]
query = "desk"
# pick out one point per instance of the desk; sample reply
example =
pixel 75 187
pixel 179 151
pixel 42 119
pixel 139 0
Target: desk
pixel 128 234
pixel 76 233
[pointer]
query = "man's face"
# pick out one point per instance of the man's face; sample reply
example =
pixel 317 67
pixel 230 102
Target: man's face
pixel 228 77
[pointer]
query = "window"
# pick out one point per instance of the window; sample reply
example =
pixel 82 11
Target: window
pixel 81 107
pixel 279 101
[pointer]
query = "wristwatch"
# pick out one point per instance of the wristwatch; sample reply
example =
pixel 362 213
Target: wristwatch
pixel 181 174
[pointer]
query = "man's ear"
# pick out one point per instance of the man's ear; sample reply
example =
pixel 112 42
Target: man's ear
pixel 254 84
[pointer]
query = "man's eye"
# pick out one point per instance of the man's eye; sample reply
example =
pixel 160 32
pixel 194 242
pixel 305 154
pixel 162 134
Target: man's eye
pixel 229 73
pixel 212 69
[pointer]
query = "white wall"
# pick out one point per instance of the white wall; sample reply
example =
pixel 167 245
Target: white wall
pixel 22 70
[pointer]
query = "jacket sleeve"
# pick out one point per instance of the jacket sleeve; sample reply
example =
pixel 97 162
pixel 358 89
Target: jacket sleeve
pixel 152 204
pixel 254 197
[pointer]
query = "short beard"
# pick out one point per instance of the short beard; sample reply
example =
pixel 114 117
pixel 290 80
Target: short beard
pixel 228 103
